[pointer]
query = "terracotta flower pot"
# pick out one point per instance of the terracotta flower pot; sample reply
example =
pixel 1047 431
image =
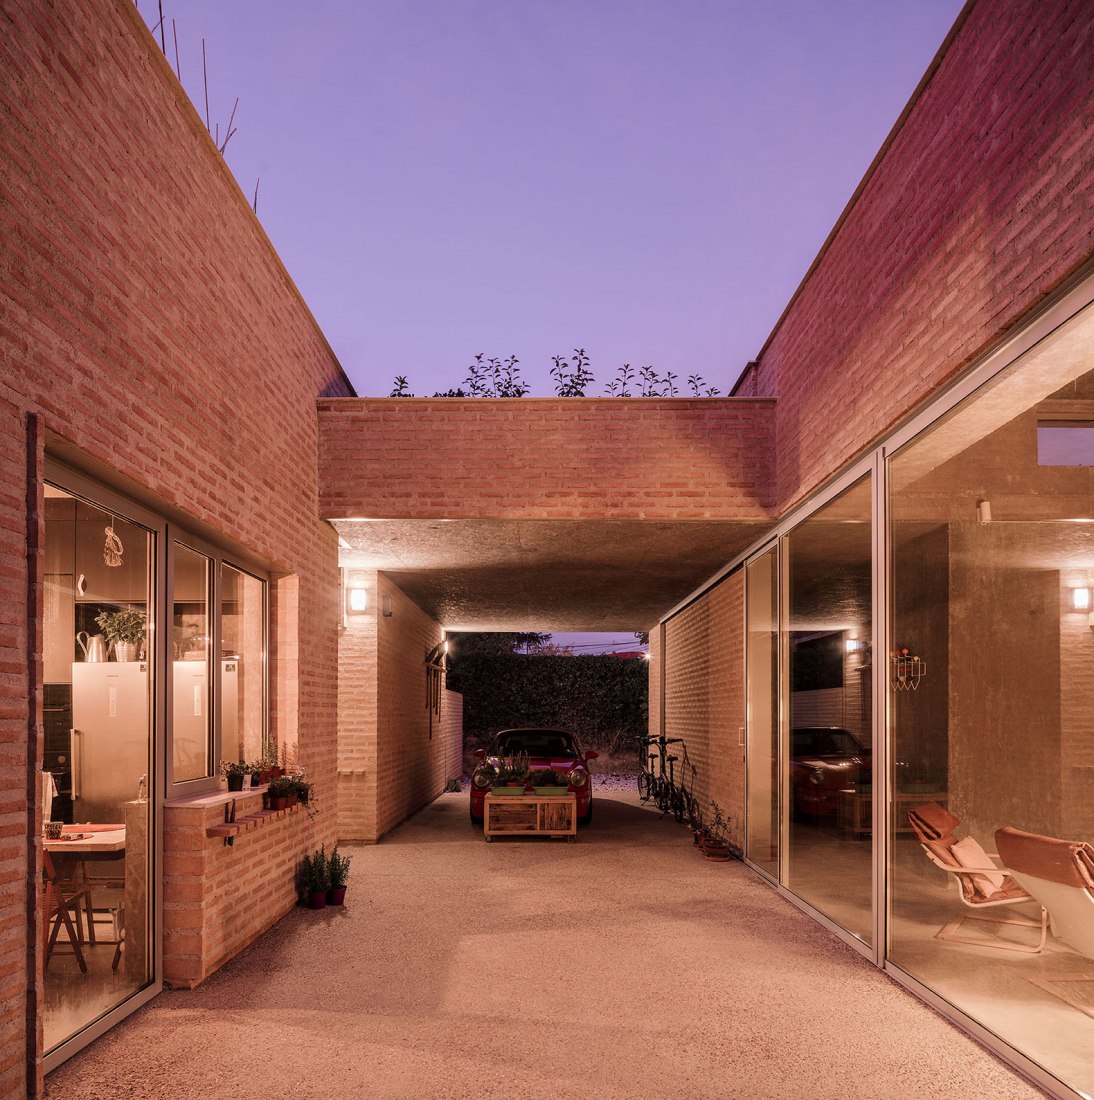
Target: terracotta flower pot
pixel 278 803
pixel 717 851
pixel 336 895
pixel 317 899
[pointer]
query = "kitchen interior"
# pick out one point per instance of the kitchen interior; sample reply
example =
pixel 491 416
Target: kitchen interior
pixel 98 709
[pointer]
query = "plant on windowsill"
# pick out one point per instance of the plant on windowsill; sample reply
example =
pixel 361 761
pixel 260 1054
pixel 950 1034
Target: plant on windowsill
pixel 315 878
pixel 125 631
pixel 235 772
pixel 338 871
pixel 282 793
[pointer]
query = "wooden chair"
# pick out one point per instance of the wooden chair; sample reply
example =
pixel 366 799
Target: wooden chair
pixel 64 899
pixel 981 884
pixel 1060 875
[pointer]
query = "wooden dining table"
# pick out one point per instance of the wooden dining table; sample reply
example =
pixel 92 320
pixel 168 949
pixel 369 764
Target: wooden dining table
pixel 67 866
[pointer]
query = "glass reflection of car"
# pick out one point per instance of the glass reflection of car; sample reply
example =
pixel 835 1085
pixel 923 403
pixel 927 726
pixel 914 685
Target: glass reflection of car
pixel 824 760
pixel 554 749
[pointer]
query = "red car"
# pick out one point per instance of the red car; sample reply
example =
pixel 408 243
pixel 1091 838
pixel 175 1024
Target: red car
pixel 554 749
pixel 824 760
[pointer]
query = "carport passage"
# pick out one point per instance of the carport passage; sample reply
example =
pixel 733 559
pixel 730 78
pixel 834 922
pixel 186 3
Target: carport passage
pixel 618 967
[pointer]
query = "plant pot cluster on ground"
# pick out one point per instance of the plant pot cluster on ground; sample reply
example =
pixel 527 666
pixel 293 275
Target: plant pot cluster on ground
pixel 323 878
pixel 711 837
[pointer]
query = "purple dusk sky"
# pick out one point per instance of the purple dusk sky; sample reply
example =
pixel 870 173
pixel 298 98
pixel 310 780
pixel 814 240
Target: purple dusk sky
pixel 647 180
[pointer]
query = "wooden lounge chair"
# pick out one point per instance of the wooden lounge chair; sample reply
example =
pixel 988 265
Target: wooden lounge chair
pixel 981 883
pixel 1060 875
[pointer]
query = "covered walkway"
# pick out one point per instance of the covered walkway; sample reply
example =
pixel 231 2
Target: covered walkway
pixel 621 966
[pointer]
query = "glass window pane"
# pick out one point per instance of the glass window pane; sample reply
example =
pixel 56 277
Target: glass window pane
pixel 828 562
pixel 242 665
pixel 990 707
pixel 762 581
pixel 191 712
pixel 98 715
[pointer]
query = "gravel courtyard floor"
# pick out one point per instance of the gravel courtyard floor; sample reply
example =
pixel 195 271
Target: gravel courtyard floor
pixel 620 966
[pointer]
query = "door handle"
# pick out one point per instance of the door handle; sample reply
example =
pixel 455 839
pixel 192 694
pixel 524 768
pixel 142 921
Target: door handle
pixel 77 756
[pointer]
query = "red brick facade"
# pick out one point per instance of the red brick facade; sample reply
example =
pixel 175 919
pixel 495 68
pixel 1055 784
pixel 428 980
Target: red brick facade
pixel 528 458
pixel 151 337
pixel 704 698
pixel 144 319
pixel 394 756
pixel 979 206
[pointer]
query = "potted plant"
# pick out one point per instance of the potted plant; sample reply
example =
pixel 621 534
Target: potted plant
pixel 548 781
pixel 301 788
pixel 124 630
pixel 254 770
pixel 281 791
pixel 235 772
pixel 268 768
pixel 338 868
pixel 315 878
pixel 712 836
pixel 511 774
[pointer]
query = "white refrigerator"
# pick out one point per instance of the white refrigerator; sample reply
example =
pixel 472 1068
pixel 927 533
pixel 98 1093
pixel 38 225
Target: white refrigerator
pixel 111 737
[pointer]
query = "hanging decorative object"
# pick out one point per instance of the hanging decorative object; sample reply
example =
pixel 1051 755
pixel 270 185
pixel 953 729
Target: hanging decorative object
pixel 908 670
pixel 112 548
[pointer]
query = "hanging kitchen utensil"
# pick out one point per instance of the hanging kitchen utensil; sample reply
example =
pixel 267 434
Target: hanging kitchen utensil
pixel 112 548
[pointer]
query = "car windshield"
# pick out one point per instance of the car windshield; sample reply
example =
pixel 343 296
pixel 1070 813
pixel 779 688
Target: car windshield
pixel 534 743
pixel 825 742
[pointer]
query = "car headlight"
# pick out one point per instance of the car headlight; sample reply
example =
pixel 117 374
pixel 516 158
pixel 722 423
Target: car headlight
pixel 579 777
pixel 482 779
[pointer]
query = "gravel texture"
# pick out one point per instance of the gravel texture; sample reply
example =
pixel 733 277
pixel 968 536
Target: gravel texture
pixel 620 966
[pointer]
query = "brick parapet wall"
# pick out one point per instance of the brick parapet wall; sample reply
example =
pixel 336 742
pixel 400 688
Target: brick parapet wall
pixel 979 206
pixel 546 458
pixel 148 325
pixel 218 898
pixel 705 697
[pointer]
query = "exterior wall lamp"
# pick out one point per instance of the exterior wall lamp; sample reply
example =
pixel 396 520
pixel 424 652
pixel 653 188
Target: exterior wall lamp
pixel 1080 599
pixel 356 599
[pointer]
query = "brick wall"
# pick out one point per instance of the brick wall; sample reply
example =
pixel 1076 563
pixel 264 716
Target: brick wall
pixel 393 756
pixel 148 325
pixel 979 207
pixel 412 754
pixel 546 458
pixel 218 898
pixel 357 686
pixel 704 697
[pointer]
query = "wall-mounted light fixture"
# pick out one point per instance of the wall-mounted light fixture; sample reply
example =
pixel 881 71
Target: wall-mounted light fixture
pixel 1080 599
pixel 356 598
pixel 854 645
pixel 385 603
pixel 983 511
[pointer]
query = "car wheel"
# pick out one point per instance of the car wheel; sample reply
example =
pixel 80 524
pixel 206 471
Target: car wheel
pixel 475 820
pixel 587 816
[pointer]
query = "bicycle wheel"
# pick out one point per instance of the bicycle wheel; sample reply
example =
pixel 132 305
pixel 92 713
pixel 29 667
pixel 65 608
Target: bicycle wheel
pixel 678 804
pixel 644 788
pixel 662 794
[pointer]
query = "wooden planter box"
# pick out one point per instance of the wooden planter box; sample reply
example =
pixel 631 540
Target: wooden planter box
pixel 530 815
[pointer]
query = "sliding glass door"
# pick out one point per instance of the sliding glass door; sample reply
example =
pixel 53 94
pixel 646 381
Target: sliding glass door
pixel 99 708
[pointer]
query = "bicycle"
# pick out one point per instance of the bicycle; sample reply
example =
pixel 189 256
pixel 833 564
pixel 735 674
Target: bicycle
pixel 656 784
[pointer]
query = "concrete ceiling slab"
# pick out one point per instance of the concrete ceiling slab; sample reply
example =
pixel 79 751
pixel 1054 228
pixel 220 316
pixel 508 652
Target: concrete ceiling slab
pixel 597 575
